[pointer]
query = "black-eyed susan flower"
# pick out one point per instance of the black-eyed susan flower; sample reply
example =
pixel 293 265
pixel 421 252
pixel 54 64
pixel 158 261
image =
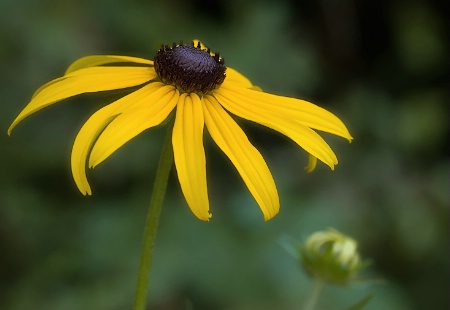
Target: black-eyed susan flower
pixel 195 82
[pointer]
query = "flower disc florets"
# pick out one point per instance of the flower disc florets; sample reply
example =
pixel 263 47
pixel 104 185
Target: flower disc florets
pixel 190 68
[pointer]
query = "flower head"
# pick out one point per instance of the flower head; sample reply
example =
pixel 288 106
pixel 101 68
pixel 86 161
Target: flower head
pixel 331 256
pixel 195 82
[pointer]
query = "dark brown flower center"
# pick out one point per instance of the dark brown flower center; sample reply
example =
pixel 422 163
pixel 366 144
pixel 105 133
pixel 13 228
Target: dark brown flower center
pixel 190 68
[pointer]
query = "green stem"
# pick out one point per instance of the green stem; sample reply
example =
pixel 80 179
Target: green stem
pixel 318 285
pixel 154 212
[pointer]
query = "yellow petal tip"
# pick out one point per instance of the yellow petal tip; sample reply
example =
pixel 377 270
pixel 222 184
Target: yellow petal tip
pixel 312 163
pixel 268 217
pixel 11 127
pixel 85 189
pixel 204 218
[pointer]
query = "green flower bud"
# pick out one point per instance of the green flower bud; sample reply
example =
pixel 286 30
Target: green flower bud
pixel 331 256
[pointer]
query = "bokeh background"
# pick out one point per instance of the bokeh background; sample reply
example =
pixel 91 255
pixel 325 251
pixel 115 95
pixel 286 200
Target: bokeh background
pixel 381 66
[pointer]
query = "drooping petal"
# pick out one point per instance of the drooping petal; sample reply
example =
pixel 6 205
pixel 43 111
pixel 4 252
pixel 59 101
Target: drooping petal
pixel 302 111
pixel 304 136
pixel 245 157
pixel 189 154
pixel 312 163
pixel 150 110
pixel 97 60
pixel 92 129
pixel 85 81
pixel 111 74
pixel 83 143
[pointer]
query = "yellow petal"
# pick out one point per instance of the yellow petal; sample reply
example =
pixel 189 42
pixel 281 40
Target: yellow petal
pixel 97 60
pixel 92 129
pixel 111 74
pixel 83 143
pixel 312 163
pixel 189 154
pixel 232 76
pixel 257 88
pixel 85 81
pixel 302 111
pixel 151 108
pixel 244 156
pixel 202 46
pixel 304 136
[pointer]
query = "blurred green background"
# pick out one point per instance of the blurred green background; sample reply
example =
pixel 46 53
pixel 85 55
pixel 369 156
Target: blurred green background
pixel 381 66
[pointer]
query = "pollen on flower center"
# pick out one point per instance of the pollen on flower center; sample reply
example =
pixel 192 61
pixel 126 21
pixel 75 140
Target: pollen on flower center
pixel 190 68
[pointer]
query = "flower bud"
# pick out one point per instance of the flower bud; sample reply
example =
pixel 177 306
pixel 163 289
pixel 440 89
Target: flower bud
pixel 331 256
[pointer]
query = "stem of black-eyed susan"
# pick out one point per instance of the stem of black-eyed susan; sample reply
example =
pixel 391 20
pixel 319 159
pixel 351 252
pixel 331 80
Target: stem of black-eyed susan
pixel 151 224
pixel 318 285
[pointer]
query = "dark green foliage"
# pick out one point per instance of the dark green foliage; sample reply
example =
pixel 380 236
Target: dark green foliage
pixel 382 67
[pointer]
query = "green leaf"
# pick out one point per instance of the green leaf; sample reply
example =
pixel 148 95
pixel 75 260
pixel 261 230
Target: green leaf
pixel 360 304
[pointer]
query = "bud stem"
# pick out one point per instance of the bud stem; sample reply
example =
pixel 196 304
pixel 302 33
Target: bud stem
pixel 318 285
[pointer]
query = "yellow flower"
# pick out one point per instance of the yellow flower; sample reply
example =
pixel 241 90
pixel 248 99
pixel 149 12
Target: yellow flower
pixel 196 82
